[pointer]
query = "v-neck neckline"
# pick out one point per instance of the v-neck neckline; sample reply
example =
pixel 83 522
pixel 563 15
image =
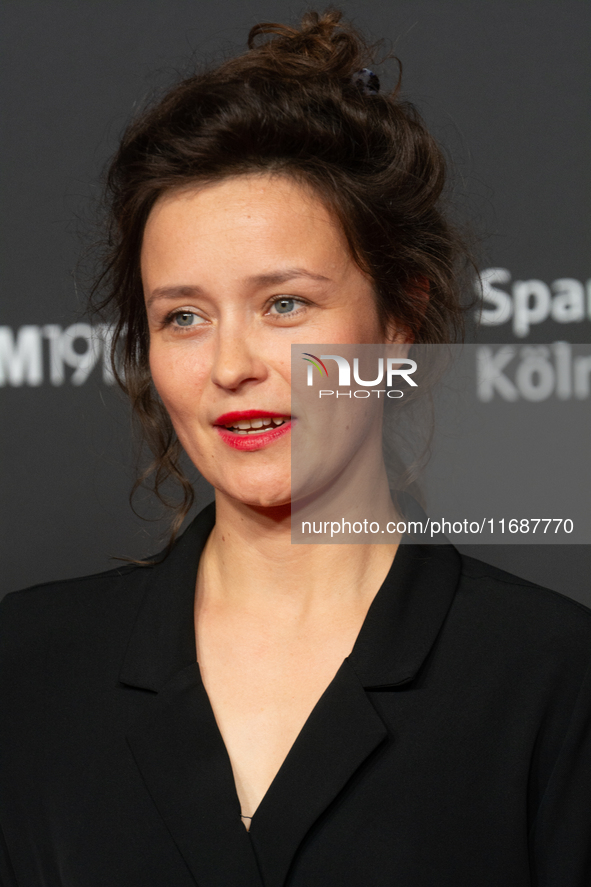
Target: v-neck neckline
pixel 179 748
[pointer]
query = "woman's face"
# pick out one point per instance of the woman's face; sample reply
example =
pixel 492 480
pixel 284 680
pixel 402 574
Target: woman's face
pixel 233 274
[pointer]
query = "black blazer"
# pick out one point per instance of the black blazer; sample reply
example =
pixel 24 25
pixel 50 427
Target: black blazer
pixel 452 748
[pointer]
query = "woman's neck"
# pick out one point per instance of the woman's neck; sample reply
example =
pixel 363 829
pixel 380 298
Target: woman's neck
pixel 250 561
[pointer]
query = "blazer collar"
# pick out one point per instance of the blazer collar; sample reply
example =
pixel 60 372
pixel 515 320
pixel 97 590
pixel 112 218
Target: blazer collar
pixel 163 637
pixel 406 615
pixel 399 630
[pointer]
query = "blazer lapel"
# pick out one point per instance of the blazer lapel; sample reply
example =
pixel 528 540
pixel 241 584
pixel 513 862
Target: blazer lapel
pixel 176 744
pixel 344 732
pixel 339 736
pixel 184 764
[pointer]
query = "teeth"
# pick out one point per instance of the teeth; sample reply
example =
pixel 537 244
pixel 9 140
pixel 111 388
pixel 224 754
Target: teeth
pixel 247 426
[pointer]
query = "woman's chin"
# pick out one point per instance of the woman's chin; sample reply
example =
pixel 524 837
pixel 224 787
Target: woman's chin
pixel 259 494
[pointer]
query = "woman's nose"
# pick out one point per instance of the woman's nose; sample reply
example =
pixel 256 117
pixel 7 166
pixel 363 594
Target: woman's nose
pixel 236 361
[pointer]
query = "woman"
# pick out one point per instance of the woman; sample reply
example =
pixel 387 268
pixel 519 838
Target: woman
pixel 241 710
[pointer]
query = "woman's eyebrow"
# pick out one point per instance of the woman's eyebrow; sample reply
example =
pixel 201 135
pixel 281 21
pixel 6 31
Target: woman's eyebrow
pixel 271 278
pixel 275 277
pixel 174 292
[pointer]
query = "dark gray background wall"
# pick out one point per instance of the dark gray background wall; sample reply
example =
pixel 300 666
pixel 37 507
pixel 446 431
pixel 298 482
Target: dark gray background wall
pixel 504 85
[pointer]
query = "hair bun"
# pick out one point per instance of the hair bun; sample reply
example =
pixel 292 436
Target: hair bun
pixel 322 43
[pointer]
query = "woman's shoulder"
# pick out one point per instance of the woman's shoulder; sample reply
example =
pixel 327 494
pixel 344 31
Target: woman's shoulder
pixel 522 617
pixel 76 611
pixel 69 591
pixel 91 618
pixel 486 579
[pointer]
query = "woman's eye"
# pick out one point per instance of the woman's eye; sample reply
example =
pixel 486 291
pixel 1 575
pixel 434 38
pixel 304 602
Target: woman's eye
pixel 186 318
pixel 284 306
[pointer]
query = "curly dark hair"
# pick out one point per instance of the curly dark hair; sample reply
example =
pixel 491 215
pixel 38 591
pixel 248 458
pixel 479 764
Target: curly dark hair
pixel 290 105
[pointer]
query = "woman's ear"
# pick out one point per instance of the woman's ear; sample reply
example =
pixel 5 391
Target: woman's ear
pixel 397 334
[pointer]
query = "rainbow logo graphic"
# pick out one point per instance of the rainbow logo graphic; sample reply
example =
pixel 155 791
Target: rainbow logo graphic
pixel 315 361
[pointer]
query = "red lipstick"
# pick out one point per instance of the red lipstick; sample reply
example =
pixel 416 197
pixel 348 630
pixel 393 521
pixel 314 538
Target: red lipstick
pixel 255 439
pixel 236 416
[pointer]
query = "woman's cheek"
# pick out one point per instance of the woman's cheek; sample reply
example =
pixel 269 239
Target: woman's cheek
pixel 175 377
pixel 161 376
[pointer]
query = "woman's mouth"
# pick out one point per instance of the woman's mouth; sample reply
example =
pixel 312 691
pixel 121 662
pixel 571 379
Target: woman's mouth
pixel 257 426
pixel 251 429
